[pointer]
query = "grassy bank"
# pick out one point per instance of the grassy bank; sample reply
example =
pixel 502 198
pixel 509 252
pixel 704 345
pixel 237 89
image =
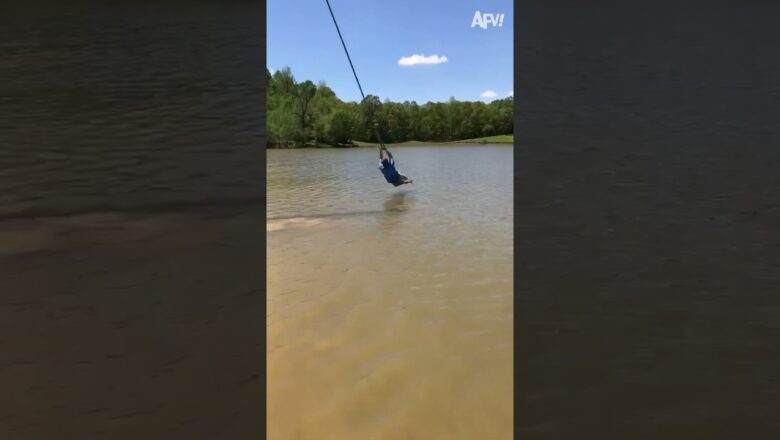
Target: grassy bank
pixel 407 143
pixel 500 139
pixel 313 145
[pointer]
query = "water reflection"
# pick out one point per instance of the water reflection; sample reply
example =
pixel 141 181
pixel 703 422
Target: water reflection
pixel 399 202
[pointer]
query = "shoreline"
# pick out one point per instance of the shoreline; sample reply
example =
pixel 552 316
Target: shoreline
pixel 490 140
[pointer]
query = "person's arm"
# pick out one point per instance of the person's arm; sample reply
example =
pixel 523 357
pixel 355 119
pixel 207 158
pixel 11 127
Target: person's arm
pixel 386 151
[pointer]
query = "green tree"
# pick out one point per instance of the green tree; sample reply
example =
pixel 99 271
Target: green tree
pixel 298 113
pixel 303 94
pixel 323 106
pixel 371 112
pixel 284 81
pixel 341 126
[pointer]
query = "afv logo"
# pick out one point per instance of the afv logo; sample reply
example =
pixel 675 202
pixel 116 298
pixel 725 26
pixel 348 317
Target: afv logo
pixel 482 20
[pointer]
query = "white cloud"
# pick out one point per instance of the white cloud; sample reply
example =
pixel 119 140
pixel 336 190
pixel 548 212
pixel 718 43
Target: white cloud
pixel 489 94
pixel 510 93
pixel 415 59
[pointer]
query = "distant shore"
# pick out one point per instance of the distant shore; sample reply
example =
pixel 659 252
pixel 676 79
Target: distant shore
pixel 499 139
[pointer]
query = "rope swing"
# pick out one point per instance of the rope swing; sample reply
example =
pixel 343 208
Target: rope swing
pixel 374 123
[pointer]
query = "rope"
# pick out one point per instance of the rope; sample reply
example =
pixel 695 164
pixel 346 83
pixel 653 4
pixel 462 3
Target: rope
pixel 374 123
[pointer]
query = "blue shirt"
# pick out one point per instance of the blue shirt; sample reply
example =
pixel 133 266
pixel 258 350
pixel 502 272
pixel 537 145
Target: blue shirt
pixel 389 171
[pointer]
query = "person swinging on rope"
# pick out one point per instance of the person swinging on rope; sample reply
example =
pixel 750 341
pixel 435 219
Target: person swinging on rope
pixel 387 167
pixel 386 164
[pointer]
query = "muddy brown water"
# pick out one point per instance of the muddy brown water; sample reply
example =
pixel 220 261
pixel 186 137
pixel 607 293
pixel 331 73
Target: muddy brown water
pixel 390 309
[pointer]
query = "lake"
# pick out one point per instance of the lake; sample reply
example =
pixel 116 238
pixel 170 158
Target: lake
pixel 390 309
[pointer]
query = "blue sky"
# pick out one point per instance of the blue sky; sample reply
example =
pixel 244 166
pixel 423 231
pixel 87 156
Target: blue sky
pixel 378 33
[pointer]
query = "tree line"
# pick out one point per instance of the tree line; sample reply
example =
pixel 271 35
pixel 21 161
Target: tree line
pixel 302 113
